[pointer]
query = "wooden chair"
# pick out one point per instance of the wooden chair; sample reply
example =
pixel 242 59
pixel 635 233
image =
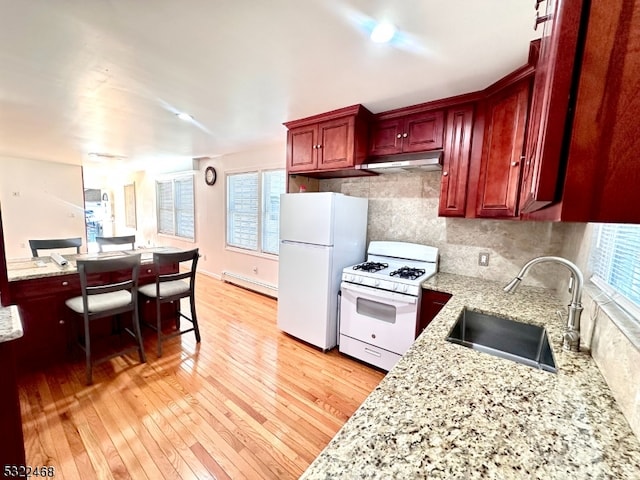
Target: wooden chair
pixel 123 240
pixel 171 287
pixel 55 243
pixel 99 299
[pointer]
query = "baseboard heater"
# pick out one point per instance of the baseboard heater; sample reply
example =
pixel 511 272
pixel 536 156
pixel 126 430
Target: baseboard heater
pixel 251 284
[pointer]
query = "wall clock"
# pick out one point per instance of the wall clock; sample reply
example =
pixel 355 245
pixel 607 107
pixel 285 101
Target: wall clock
pixel 210 175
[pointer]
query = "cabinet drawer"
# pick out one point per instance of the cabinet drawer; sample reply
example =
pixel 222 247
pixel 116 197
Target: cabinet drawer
pixel 67 285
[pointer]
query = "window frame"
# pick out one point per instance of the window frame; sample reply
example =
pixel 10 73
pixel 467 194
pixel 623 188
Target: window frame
pixel 175 209
pixel 259 251
pixel 631 308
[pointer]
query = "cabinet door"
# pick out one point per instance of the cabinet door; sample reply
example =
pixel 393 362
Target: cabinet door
pixel 455 169
pixel 423 131
pixel 336 143
pixel 430 305
pixel 386 137
pixel 502 148
pixel 47 332
pixel 302 148
pixel 550 104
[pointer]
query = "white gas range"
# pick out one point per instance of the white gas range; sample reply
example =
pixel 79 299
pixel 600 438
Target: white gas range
pixel 380 301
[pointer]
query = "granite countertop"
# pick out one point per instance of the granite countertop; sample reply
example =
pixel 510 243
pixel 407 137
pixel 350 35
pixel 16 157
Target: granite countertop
pixel 30 268
pixel 446 411
pixel 10 324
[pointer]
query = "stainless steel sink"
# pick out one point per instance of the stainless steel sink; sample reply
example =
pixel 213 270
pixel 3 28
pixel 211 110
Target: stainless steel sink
pixel 505 338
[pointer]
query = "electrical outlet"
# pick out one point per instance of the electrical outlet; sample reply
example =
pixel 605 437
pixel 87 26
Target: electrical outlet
pixel 483 259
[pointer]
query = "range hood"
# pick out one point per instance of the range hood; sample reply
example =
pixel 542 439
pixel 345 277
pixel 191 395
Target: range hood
pixel 424 161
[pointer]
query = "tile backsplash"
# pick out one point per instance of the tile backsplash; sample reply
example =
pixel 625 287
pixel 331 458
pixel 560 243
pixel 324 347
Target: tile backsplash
pixel 404 207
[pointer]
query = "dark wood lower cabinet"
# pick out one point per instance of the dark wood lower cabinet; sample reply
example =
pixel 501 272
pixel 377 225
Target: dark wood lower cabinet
pixel 432 303
pixel 11 438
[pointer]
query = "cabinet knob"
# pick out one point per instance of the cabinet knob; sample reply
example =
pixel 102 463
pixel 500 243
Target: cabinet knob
pixel 65 283
pixel 514 164
pixel 405 135
pixel 61 322
pixel 399 135
pixel 148 270
pixel 319 146
pixel 444 174
pixel 541 19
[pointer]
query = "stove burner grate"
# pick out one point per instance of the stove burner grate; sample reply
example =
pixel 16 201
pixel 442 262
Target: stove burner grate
pixel 408 272
pixel 371 266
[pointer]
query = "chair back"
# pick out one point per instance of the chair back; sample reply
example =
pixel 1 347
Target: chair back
pixel 126 270
pixel 162 259
pixel 54 243
pixel 122 240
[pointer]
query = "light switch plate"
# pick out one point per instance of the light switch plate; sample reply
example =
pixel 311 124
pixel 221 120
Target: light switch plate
pixel 483 259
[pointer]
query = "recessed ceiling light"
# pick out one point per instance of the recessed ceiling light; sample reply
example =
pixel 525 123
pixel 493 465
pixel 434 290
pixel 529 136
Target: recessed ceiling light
pixel 383 32
pixel 184 116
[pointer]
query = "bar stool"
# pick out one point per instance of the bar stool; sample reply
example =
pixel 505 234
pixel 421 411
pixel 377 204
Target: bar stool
pixel 104 298
pixel 54 243
pixel 171 287
pixel 122 240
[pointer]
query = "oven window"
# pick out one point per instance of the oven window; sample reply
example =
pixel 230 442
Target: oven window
pixel 377 310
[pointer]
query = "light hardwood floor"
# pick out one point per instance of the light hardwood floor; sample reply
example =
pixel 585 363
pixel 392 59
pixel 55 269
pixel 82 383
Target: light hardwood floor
pixel 248 402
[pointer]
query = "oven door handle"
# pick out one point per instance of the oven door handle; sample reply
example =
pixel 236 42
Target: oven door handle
pixel 381 294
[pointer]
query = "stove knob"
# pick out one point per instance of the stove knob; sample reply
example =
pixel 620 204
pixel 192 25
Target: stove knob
pixel 376 283
pixel 348 278
pixel 359 279
pixel 405 288
pixel 395 286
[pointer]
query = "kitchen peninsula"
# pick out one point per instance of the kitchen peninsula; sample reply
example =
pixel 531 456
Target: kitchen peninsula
pixel 445 411
pixel 39 288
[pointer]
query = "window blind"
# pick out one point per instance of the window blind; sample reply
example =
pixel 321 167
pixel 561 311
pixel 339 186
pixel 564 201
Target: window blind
pixel 184 208
pixel 242 210
pixel 273 184
pixel 615 262
pixel 176 207
pixel 164 197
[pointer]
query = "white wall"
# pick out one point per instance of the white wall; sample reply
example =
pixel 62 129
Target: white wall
pixel 39 199
pixel 211 218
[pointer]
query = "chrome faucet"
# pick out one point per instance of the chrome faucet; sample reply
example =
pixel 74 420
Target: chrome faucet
pixel 571 337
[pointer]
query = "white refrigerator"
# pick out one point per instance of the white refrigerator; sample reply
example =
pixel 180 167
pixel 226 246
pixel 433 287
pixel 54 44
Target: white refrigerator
pixel 320 234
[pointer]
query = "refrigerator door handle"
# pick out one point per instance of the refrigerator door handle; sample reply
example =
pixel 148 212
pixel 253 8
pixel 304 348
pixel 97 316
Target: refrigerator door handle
pixel 306 245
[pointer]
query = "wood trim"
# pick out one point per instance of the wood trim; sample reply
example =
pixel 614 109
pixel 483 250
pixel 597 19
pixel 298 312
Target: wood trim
pixel 432 105
pixel 5 297
pixel 332 115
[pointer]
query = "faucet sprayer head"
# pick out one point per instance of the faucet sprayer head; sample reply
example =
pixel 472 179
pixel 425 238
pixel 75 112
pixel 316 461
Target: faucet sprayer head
pixel 512 286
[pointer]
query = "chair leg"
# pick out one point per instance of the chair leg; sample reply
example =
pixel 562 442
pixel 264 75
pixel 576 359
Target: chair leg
pixel 87 351
pixel 138 333
pixel 178 306
pixel 194 318
pixel 159 324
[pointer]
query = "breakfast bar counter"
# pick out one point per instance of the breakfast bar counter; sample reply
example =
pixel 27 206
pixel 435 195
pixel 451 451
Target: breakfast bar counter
pixel 450 412
pixel 39 288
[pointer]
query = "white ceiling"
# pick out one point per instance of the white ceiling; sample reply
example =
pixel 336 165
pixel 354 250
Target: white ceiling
pixel 108 76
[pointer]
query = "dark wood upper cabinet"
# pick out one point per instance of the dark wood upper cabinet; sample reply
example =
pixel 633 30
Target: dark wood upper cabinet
pixel 600 170
pixel 455 168
pixel 332 141
pixel 505 118
pixel 397 132
pixel 550 103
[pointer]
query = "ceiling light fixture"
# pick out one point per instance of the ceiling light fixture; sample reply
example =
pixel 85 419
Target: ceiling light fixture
pixel 383 32
pixel 184 116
